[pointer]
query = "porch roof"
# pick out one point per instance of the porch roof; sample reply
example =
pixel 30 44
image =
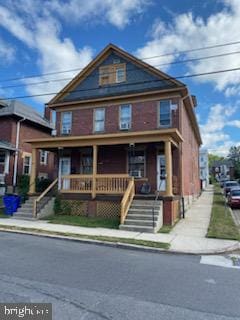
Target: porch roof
pixel 172 135
pixel 7 145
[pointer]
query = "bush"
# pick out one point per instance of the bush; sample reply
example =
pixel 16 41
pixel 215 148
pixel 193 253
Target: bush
pixel 23 186
pixel 42 184
pixel 57 208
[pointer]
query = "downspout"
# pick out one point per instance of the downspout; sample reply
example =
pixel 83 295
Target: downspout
pixel 15 168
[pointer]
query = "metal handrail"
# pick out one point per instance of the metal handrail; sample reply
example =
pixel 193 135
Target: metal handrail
pixel 155 201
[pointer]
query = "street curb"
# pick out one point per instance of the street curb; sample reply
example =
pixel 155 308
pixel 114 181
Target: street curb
pixel 120 244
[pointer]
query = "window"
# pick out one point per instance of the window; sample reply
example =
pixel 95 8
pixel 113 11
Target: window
pixel 112 73
pixel 165 113
pixel 86 164
pixel 43 157
pixel 125 117
pixel 99 120
pixel 27 165
pixel 136 163
pixel 2 158
pixel 66 125
pixel 120 74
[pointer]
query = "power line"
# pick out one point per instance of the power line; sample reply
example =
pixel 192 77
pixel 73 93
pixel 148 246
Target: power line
pixel 129 70
pixel 124 84
pixel 145 58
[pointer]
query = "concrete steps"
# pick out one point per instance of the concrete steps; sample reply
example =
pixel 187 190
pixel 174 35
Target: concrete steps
pixel 25 212
pixel 140 217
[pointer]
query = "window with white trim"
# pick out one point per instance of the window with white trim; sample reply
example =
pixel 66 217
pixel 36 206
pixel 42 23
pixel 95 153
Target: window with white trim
pixel 43 157
pixel 66 122
pixel 125 117
pixel 136 163
pixel 165 118
pixel 99 120
pixel 120 74
pixel 27 165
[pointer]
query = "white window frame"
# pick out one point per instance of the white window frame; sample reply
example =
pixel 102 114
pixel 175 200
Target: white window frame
pixel 29 165
pixel 97 121
pixel 67 127
pixel 136 173
pixel 120 74
pixel 159 114
pixel 43 157
pixel 125 120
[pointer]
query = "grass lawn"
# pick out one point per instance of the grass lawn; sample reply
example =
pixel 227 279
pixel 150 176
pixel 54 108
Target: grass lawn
pixel 221 224
pixel 85 221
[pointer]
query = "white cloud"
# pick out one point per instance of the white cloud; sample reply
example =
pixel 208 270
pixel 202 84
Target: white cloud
pixel 214 138
pixel 7 53
pixel 187 32
pixel 39 27
pixel 116 12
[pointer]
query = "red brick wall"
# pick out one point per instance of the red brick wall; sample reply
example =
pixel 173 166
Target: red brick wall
pixel 144 117
pixel 190 157
pixel 27 132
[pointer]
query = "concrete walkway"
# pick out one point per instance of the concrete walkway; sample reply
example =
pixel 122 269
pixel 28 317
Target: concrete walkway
pixel 188 236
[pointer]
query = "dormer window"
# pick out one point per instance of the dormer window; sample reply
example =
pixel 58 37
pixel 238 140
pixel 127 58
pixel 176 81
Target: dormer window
pixel 120 74
pixel 112 73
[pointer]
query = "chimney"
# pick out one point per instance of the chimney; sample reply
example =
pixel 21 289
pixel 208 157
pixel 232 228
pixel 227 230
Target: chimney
pixel 48 114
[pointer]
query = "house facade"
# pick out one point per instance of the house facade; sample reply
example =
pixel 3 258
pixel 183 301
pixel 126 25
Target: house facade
pixel 204 168
pixel 223 170
pixel 18 123
pixel 122 125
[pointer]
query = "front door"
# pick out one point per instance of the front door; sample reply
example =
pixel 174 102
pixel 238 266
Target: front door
pixel 64 170
pixel 161 172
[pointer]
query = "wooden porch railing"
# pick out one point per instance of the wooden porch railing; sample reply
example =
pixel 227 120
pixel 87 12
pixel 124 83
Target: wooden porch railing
pixel 127 200
pixel 98 184
pixel 43 199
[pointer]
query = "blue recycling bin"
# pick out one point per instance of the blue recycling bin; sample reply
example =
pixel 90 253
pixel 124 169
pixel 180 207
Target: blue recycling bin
pixel 11 203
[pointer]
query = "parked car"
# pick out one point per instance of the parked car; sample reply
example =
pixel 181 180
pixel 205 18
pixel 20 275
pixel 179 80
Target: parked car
pixel 234 197
pixel 222 182
pixel 228 185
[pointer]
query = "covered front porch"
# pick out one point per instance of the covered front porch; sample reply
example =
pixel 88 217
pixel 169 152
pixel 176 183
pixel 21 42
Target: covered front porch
pixel 115 164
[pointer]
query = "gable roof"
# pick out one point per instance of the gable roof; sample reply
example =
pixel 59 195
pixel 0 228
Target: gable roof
pixel 19 109
pixel 99 58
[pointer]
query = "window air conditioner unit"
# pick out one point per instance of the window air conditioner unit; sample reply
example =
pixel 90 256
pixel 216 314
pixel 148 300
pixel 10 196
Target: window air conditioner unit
pixel 54 132
pixel 136 173
pixel 124 126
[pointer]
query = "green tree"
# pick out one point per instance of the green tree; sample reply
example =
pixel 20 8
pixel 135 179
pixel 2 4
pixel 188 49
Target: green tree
pixel 212 158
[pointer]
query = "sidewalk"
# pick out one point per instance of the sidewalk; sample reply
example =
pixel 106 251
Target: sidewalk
pixel 188 236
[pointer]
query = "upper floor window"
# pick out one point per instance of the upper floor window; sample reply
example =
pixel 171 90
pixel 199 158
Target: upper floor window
pixel 113 73
pixel 43 157
pixel 66 123
pixel 2 158
pixel 99 120
pixel 120 73
pixel 165 113
pixel 27 165
pixel 125 117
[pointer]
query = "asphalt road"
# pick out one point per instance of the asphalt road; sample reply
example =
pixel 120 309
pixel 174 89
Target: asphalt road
pixel 95 282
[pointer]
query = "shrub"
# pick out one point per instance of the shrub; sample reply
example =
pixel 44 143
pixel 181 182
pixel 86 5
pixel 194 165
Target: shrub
pixel 42 184
pixel 23 186
pixel 57 208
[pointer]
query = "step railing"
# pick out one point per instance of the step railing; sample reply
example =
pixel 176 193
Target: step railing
pixel 44 197
pixel 127 200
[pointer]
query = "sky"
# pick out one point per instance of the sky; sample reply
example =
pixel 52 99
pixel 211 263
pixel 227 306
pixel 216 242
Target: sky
pixel 47 36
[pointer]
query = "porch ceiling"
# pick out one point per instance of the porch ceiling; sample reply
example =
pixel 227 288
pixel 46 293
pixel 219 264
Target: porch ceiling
pixel 172 135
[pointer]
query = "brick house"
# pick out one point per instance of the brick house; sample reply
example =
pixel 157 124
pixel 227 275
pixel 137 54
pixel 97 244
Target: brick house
pixel 19 122
pixel 124 130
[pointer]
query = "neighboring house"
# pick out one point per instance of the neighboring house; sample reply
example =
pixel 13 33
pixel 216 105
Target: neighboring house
pixel 223 170
pixel 204 168
pixel 122 118
pixel 19 122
